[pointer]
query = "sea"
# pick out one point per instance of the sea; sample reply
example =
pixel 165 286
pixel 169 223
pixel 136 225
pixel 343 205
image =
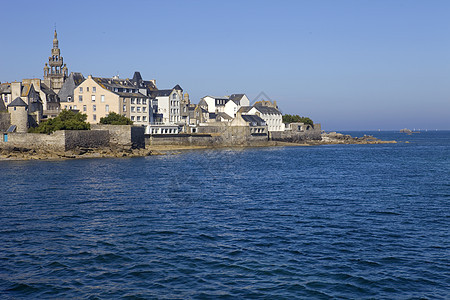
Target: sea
pixel 317 222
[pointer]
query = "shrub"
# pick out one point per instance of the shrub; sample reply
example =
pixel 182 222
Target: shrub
pixel 66 120
pixel 297 119
pixel 115 119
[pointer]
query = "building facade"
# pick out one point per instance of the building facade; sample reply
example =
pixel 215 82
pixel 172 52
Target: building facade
pixel 97 97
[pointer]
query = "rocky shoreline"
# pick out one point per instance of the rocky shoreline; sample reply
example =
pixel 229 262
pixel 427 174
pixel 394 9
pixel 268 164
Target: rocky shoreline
pixel 15 153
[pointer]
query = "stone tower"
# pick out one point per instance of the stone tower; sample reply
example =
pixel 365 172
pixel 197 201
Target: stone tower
pixel 55 71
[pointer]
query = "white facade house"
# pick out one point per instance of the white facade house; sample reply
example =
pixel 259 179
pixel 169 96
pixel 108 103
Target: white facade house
pixel 168 107
pixel 272 116
pixel 236 101
pixel 226 104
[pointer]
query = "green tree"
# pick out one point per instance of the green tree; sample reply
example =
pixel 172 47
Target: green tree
pixel 115 119
pixel 66 120
pixel 297 119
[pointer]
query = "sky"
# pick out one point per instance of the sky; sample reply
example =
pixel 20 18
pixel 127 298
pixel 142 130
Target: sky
pixel 347 64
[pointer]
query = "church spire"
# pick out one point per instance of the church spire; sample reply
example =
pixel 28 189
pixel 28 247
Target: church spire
pixel 55 71
pixel 55 40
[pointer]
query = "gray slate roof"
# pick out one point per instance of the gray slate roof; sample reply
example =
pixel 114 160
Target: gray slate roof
pixel 74 80
pixel 224 115
pixel 254 120
pixel 267 110
pixel 236 98
pixel 17 102
pixel 161 93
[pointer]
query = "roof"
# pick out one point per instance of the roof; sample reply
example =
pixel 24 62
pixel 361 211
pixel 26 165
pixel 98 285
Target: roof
pixel 5 88
pixel 137 77
pixel 46 89
pixel 236 98
pixel 254 120
pixel 177 87
pixel 161 93
pixel 202 103
pixel 224 115
pixel 17 102
pixel 245 109
pixel 267 110
pixel 74 80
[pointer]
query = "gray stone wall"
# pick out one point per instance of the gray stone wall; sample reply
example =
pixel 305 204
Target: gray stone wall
pixel 123 136
pixel 86 139
pixel 35 141
pixel 297 136
pixel 218 136
pixel 5 120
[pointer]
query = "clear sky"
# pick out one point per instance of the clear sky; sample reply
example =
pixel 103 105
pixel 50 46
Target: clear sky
pixel 350 65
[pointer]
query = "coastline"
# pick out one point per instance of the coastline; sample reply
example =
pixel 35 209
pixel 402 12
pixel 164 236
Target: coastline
pixel 333 138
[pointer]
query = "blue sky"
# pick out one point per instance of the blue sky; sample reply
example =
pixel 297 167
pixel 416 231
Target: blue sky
pixel 350 65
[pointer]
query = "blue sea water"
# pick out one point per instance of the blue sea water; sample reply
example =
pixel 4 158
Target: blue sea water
pixel 322 222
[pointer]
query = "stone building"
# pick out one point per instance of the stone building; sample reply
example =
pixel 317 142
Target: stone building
pixel 97 97
pixel 18 111
pixel 55 71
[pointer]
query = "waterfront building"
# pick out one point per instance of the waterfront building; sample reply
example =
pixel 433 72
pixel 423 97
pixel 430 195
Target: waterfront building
pixel 169 105
pixel 271 115
pixel 97 97
pixel 225 104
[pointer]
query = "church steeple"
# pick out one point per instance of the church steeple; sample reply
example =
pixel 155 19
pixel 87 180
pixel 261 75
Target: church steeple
pixel 55 40
pixel 55 71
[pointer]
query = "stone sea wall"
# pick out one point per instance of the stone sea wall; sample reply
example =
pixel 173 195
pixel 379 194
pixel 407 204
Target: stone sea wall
pixel 126 136
pixel 293 136
pixel 211 136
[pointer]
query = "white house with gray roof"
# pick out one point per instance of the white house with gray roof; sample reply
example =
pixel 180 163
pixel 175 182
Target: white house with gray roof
pixel 272 116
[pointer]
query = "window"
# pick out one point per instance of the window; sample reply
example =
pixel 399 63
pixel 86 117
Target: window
pixel 94 89
pixel 74 107
pixel 102 98
pixel 84 107
pixel 107 108
pixel 132 118
pixel 138 118
pixel 144 109
pixel 133 100
pixel 138 109
pixel 124 108
pixel 138 101
pixel 87 89
pixel 69 99
pixel 94 108
pixel 81 89
pixel 144 101
pixel 94 117
pixel 124 100
pixel 144 118
pixel 174 96
pixel 65 106
pixel 93 98
pixel 80 98
pixel 132 108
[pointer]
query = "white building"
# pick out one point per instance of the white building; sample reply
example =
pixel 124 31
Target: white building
pixel 226 104
pixel 272 116
pixel 168 105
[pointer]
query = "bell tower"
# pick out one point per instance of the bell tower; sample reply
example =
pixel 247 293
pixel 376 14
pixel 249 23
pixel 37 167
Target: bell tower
pixel 55 71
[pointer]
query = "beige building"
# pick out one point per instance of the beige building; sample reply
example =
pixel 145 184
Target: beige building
pixel 97 97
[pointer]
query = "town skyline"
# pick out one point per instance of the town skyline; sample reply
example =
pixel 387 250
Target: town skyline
pixel 348 65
